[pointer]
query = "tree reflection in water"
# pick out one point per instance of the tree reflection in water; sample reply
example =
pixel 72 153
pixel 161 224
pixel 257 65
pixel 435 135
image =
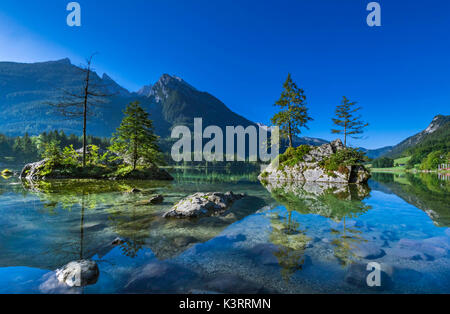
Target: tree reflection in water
pixel 335 202
pixel 123 214
pixel 132 224
pixel 291 242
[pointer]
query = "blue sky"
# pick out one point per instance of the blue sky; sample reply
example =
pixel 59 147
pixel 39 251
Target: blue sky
pixel 241 52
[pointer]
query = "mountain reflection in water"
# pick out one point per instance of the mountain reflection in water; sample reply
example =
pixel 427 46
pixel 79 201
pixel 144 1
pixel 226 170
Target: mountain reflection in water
pixel 283 237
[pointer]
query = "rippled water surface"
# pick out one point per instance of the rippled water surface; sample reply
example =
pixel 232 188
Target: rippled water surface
pixel 281 238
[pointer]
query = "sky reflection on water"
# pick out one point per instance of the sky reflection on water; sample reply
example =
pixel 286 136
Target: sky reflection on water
pixel 286 238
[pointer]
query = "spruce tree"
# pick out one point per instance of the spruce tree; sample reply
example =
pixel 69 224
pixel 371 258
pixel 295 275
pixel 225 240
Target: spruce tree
pixel 134 138
pixel 294 113
pixel 348 120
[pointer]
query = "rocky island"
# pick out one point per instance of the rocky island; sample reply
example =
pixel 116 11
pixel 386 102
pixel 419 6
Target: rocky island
pixel 331 162
pixel 100 165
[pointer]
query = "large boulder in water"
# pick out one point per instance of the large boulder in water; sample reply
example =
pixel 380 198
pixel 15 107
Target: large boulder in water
pixel 31 170
pixel 78 274
pixel 203 204
pixel 309 167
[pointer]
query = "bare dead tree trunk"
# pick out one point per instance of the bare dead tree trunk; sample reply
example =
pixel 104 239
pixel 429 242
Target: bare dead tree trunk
pixel 79 104
pixel 86 94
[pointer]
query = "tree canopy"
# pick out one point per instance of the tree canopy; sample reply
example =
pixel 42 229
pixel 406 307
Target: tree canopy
pixel 348 120
pixel 293 114
pixel 135 139
pixel 383 162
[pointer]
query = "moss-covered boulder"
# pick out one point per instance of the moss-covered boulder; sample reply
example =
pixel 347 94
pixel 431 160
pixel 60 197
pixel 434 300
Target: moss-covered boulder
pixel 331 162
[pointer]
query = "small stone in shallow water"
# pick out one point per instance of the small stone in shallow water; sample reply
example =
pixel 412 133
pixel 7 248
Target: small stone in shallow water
pixel 264 254
pixel 79 273
pixel 161 277
pixel 184 241
pixel 357 276
pixel 369 251
pixel 233 284
pixel 435 247
pixel 389 236
pixel 157 199
pixel 405 254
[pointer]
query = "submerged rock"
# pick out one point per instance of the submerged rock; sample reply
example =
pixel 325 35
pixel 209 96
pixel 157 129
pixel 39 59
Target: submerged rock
pixel 78 274
pixel 161 277
pixel 153 200
pixel 156 199
pixel 134 190
pixel 228 283
pixel 203 204
pixel 309 168
pixel 358 273
pixel 369 251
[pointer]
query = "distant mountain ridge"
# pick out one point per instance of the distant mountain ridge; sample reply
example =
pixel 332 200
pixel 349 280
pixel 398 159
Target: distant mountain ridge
pixel 26 89
pixel 378 152
pixel 180 103
pixel 437 130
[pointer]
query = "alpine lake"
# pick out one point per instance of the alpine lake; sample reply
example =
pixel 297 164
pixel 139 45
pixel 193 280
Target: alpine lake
pixel 280 238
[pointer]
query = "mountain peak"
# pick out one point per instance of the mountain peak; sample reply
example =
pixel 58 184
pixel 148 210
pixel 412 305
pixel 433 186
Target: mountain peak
pixel 172 81
pixel 160 90
pixel 437 122
pixel 64 61
pixel 113 87
pixel 145 90
pixel 433 131
pixel 106 77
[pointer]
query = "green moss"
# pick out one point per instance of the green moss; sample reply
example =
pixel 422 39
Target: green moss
pixel 127 172
pixel 340 160
pixel 56 170
pixel 293 156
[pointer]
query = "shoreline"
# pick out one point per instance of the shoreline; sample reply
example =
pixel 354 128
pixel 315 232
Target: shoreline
pixel 389 170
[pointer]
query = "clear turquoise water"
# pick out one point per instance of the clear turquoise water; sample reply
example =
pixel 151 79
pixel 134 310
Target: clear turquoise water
pixel 292 240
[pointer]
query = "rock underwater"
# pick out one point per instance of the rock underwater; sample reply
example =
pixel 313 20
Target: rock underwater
pixel 309 168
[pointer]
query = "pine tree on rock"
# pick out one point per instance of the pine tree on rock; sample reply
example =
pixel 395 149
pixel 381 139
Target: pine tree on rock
pixel 347 119
pixel 134 138
pixel 294 113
